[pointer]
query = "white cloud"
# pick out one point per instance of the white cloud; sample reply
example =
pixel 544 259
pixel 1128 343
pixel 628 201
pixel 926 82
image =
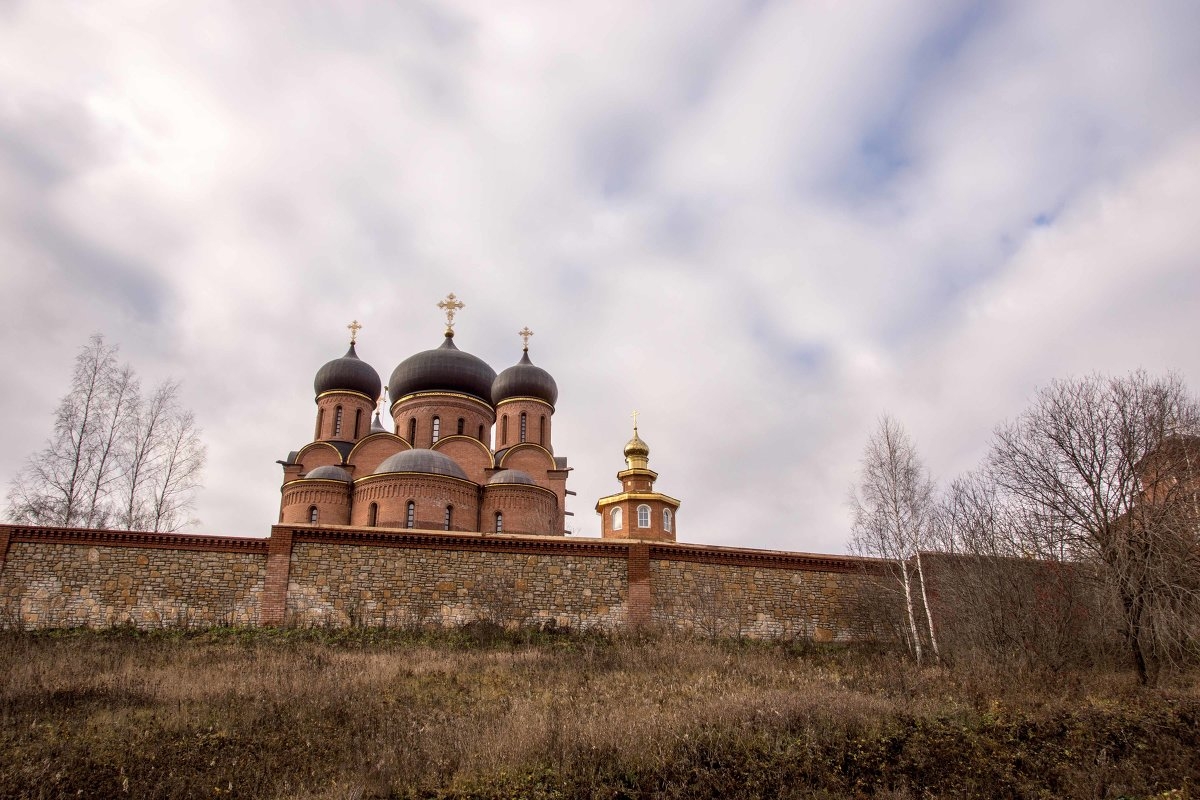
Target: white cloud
pixel 761 226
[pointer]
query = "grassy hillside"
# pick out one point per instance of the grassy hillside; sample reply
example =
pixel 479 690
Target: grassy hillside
pixel 477 714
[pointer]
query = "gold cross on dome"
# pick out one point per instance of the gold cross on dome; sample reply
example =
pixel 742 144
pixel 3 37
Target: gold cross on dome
pixel 525 333
pixel 450 305
pixel 354 327
pixel 635 416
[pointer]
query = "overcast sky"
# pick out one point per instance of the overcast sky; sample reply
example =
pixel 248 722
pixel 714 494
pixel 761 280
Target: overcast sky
pixel 760 224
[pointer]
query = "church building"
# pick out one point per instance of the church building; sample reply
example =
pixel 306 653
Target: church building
pixel 465 450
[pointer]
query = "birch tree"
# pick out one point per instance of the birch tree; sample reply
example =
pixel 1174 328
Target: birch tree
pixel 115 458
pixel 892 504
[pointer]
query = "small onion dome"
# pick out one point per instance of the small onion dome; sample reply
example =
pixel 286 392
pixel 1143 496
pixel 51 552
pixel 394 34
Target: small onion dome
pixel 426 461
pixel 512 476
pixel 377 426
pixel 328 473
pixel 445 369
pixel 348 374
pixel 636 448
pixel 523 379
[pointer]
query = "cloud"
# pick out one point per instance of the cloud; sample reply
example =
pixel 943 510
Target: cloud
pixel 761 225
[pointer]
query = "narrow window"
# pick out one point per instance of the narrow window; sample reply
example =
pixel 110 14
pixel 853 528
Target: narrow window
pixel 461 424
pixel 542 431
pixel 337 421
pixel 412 431
pixel 616 519
pixel 320 422
pixel 504 429
pixel 667 520
pixel 499 522
pixel 643 516
pixel 312 515
pixel 522 426
pixel 449 516
pixel 373 515
pixel 437 428
pixel 481 433
pixel 357 422
pixel 410 516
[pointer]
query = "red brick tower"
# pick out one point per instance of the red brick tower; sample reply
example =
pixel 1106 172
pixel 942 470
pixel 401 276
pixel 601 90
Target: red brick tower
pixel 638 512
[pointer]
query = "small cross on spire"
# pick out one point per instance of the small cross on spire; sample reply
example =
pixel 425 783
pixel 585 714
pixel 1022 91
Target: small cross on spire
pixel 354 327
pixel 635 416
pixel 525 333
pixel 450 305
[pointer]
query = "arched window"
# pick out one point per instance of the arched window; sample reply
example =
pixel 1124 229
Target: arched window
pixel 410 515
pixel 437 428
pixel 461 424
pixel 499 522
pixel 412 431
pixel 522 426
pixel 373 515
pixel 312 515
pixel 542 431
pixel 320 422
pixel 449 516
pixel 616 518
pixel 357 421
pixel 504 429
pixel 337 421
pixel 643 516
pixel 667 520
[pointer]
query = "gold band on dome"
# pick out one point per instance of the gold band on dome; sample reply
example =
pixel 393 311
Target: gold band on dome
pixel 460 395
pixel 617 498
pixel 538 400
pixel 346 391
pixel 364 479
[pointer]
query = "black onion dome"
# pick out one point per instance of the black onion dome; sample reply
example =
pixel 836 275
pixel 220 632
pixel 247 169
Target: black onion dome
pixel 328 473
pixel 348 374
pixel 427 461
pixel 512 476
pixel 445 369
pixel 523 379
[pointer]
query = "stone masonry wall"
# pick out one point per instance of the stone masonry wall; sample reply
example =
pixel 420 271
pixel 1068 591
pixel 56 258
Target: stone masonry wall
pixel 338 584
pixel 748 599
pixel 58 584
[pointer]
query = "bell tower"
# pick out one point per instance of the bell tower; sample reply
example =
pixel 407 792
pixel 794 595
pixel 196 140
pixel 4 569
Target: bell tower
pixel 637 511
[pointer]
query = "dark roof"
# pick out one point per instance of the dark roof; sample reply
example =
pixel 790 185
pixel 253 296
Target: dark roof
pixel 445 369
pixel 328 473
pixel 512 476
pixel 377 426
pixel 523 379
pixel 348 373
pixel 426 461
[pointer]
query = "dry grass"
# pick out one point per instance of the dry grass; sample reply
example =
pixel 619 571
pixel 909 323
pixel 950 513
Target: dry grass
pixel 382 714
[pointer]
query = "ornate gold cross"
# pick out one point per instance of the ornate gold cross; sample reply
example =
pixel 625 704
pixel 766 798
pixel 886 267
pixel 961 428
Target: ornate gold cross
pixel 450 305
pixel 354 327
pixel 525 333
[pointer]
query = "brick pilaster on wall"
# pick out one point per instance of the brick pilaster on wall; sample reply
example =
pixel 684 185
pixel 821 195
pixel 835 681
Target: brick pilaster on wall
pixel 5 537
pixel 641 599
pixel 275 586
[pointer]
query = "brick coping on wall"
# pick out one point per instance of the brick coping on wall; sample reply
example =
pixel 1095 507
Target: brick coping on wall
pixel 113 538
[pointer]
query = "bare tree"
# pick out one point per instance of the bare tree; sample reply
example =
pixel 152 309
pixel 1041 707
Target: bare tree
pixel 892 504
pixel 1105 469
pixel 115 458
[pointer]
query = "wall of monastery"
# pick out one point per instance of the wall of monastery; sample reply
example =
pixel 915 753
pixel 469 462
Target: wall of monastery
pixel 328 575
pixel 71 578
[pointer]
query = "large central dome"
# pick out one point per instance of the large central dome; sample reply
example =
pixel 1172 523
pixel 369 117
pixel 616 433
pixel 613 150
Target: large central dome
pixel 445 369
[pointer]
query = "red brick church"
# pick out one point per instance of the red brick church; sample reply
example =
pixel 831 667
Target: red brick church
pixel 466 450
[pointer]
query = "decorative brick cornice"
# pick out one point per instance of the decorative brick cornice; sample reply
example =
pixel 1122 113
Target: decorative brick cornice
pixel 160 541
pixel 764 559
pixel 438 540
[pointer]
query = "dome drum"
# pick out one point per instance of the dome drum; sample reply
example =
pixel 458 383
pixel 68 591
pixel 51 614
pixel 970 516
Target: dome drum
pixel 381 501
pixel 414 418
